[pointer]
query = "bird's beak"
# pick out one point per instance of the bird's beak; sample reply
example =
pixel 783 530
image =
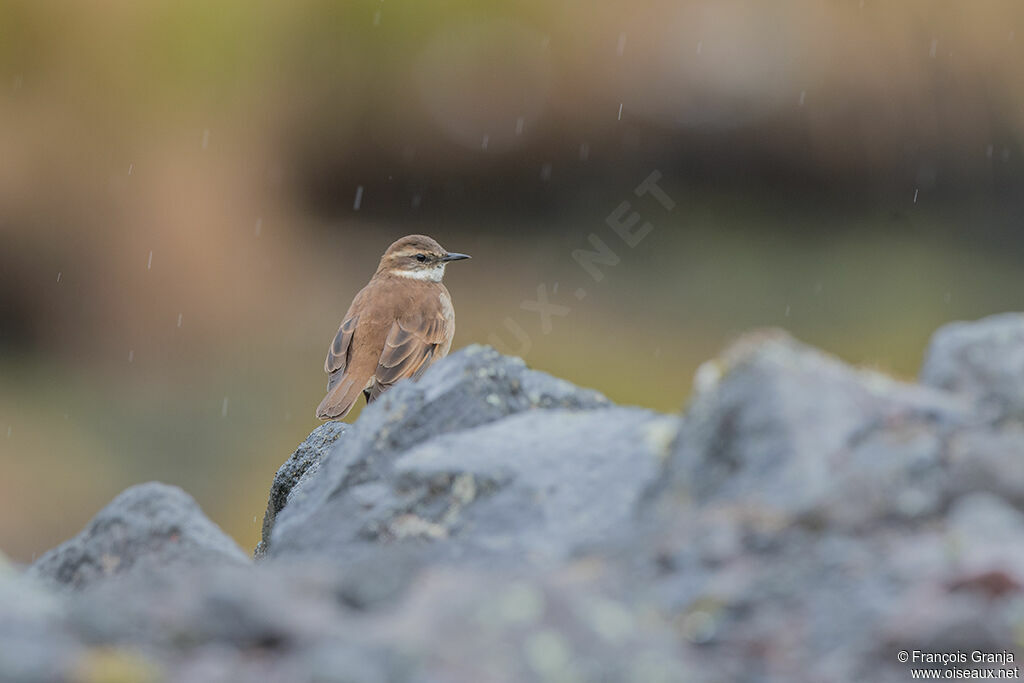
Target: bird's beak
pixel 454 257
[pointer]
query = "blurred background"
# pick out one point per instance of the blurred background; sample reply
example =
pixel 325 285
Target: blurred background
pixel 192 192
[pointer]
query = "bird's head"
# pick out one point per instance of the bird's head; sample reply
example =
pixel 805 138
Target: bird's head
pixel 418 257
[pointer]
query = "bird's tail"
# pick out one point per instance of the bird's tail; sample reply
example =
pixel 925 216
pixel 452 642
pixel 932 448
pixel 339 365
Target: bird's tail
pixel 339 400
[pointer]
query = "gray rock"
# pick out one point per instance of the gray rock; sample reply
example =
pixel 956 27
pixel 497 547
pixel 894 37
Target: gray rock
pixel 826 517
pixel 984 533
pixel 282 622
pixel 304 461
pixel 36 645
pixel 983 359
pixel 228 622
pixel 472 387
pixel 803 521
pixel 148 527
pixel 961 584
pixel 782 427
pixel 521 489
pixel 471 626
pixel 988 458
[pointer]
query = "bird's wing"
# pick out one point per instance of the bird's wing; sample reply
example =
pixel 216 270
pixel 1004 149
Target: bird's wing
pixel 340 351
pixel 342 389
pixel 414 342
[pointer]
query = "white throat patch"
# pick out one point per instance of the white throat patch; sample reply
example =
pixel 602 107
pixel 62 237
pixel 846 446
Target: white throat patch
pixel 433 274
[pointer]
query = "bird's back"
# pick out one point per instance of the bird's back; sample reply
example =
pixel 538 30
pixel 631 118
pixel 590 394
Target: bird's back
pixel 398 327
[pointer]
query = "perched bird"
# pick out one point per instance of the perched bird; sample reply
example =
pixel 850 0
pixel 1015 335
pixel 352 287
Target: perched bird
pixel 398 324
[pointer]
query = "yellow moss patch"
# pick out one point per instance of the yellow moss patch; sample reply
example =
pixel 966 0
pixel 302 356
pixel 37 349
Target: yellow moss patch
pixel 112 665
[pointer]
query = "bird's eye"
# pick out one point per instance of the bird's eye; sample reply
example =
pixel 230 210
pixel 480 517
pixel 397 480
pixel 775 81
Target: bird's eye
pixel 421 257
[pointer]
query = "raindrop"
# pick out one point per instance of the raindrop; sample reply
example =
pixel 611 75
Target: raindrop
pixel 131 167
pixel 988 152
pixel 18 80
pixel 259 226
pixel 935 47
pixel 131 355
pixel 485 142
pixel 787 310
pixel 622 44
pixel 584 152
pixel 180 317
pixel 224 407
pixel 149 263
pixel 206 137
pixel 376 18
pixel 519 125
pixel 545 172
pixel 620 111
pixel 359 198
pixel 1006 153
pixel 949 296
pixel 416 200
pixel 8 431
pixel 59 276
pixel 700 46
pixel 803 96
pixel 915 194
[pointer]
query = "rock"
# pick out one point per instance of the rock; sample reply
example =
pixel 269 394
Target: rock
pixel 988 458
pixel 148 527
pixel 36 645
pixel 788 430
pixel 803 521
pixel 280 622
pixel 245 608
pixel 961 583
pixel 469 388
pixel 983 359
pixel 826 517
pixel 469 626
pixel 983 535
pixel 521 489
pixel 305 459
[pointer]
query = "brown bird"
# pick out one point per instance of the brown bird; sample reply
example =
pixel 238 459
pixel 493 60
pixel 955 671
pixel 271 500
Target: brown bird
pixel 397 326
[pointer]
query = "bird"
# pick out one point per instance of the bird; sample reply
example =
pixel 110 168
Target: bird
pixel 398 325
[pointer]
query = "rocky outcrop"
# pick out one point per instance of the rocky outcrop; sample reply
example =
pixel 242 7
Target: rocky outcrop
pixel 524 495
pixel 304 461
pixel 147 528
pixel 784 429
pixel 983 360
pixel 356 483
pixel 283 622
pixel 802 520
pixel 830 517
pixel 37 642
